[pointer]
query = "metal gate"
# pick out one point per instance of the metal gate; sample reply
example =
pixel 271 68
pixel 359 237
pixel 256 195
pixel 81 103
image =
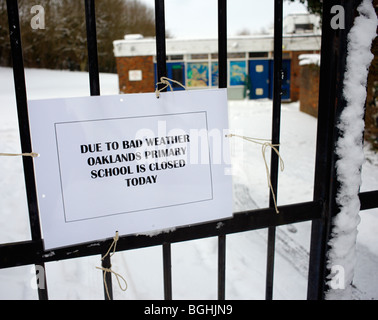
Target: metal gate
pixel 320 210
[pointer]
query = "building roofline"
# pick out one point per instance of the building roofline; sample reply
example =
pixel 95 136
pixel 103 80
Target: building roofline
pixel 250 43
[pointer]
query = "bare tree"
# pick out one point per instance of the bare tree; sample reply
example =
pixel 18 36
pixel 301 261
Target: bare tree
pixel 61 44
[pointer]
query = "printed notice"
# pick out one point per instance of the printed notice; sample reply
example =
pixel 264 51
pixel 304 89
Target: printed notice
pixel 120 163
pixel 129 163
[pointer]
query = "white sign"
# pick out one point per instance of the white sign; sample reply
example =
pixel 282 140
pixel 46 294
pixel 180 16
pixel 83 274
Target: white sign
pixel 130 163
pixel 135 75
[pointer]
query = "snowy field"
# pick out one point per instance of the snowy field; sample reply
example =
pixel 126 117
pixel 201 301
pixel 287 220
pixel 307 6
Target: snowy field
pixel 194 263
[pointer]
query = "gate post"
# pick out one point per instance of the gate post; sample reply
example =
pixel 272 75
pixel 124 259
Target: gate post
pixel 331 103
pixel 23 120
pixel 222 83
pixel 276 125
pixel 161 71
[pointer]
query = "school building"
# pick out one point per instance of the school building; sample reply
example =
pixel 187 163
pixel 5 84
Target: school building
pixel 194 62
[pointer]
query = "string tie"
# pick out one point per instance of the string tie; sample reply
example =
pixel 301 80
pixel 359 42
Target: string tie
pixel 106 270
pixel 264 145
pixel 167 83
pixel 27 154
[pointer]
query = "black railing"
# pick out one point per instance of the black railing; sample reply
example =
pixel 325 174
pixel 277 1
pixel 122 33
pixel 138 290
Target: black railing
pixel 319 211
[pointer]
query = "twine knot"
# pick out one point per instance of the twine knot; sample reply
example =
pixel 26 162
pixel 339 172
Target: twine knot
pixel 109 270
pixel 167 83
pixel 264 145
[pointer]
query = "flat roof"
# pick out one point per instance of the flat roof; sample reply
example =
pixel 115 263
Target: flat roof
pixel 135 46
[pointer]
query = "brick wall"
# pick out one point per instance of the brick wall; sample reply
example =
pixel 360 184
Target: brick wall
pixel 309 89
pixel 295 74
pixel 143 64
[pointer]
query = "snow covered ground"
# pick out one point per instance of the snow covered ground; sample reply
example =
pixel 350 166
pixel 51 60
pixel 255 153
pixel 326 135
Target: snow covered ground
pixel 194 263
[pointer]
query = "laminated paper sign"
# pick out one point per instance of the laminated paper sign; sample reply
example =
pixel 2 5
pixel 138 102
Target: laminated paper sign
pixel 130 163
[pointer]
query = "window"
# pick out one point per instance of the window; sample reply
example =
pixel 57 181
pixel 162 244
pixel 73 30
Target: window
pixel 176 57
pixel 214 74
pixel 304 27
pixel 177 74
pixel 197 74
pixel 235 55
pixel 258 54
pixel 238 71
pixel 198 56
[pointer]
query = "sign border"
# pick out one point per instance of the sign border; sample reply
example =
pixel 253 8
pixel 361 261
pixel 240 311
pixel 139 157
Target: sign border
pixel 133 117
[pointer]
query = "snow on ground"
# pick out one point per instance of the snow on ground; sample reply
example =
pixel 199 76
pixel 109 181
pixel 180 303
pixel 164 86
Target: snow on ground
pixel 194 263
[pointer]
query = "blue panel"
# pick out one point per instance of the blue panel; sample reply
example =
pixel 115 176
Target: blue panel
pixel 155 72
pixel 259 79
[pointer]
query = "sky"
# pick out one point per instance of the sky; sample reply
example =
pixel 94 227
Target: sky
pixel 198 18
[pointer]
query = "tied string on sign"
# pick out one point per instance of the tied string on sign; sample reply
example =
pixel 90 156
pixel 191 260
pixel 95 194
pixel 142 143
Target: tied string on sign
pixel 167 83
pixel 106 270
pixel 28 154
pixel 265 143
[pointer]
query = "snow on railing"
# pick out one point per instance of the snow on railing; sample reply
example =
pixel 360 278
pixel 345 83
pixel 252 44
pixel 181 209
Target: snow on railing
pixel 349 149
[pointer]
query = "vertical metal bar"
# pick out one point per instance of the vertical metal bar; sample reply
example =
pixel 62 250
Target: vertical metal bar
pixel 94 85
pixel 222 267
pixel 23 121
pixel 222 43
pixel 90 17
pixel 161 67
pixel 270 263
pixel 222 83
pixel 276 123
pixel 107 276
pixel 161 56
pixel 22 111
pixel 324 153
pixel 167 269
pixel 331 102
